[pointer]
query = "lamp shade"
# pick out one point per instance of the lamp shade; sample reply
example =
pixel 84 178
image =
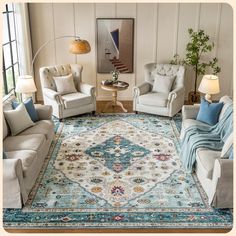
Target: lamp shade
pixel 79 46
pixel 25 84
pixel 209 84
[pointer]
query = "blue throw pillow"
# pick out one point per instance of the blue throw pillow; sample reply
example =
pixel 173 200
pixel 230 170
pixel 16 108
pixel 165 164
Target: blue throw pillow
pixel 29 105
pixel 209 112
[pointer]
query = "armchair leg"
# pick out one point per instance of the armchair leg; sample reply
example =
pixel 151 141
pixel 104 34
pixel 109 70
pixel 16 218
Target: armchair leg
pixel 136 112
pixel 93 112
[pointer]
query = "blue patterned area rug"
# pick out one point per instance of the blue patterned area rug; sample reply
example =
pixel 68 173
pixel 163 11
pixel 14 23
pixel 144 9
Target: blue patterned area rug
pixel 116 171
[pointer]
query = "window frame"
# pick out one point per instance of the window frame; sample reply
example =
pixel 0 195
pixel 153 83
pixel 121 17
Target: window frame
pixel 10 42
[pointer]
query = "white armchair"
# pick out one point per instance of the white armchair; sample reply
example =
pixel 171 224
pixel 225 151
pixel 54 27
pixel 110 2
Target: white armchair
pixel 67 105
pixel 160 103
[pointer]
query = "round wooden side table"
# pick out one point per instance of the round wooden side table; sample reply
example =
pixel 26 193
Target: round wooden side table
pixel 114 88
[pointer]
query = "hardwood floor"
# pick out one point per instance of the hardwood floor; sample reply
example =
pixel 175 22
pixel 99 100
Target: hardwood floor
pixel 129 106
pixel 101 105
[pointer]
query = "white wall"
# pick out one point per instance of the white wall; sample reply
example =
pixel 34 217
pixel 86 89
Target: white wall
pixel 160 32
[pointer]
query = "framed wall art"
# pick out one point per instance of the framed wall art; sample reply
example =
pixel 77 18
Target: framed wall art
pixel 115 45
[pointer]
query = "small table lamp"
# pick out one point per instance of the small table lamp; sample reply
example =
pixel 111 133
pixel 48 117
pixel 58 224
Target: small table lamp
pixel 209 85
pixel 25 86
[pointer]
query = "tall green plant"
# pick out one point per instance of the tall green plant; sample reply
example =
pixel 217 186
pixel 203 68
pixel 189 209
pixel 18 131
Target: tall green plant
pixel 197 47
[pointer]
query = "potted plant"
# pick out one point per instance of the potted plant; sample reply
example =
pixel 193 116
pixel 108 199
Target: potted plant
pixel 198 46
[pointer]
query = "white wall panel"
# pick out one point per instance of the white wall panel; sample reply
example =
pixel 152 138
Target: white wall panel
pixel 160 31
pixel 146 34
pixel 85 30
pixel 166 31
pixel 42 30
pixel 63 25
pixel 225 51
pixel 188 15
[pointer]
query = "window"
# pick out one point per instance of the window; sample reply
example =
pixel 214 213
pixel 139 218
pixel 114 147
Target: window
pixel 9 48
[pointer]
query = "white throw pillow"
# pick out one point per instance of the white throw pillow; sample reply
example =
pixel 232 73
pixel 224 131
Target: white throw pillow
pixel 18 119
pixel 65 84
pixel 162 83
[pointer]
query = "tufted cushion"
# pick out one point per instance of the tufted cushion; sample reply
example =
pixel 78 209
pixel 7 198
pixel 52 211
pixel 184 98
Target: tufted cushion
pixel 152 69
pixel 154 99
pixel 47 74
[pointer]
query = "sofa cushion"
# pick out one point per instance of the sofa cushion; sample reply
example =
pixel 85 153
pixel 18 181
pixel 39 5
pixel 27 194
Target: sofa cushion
pixel 41 127
pixel 154 99
pixel 18 119
pixel 73 100
pixel 29 105
pixel 227 102
pixel 206 160
pixel 27 157
pixel 24 142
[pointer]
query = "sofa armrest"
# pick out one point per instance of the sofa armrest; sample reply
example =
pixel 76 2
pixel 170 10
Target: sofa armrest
pixel 52 94
pixel 141 89
pixel 190 111
pixel 44 111
pixel 176 93
pixel 221 195
pixel 87 89
pixel 13 185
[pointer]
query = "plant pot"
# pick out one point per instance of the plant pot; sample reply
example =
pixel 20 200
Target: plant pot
pixel 193 97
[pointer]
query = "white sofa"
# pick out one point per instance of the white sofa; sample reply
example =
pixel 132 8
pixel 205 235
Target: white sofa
pixel 25 155
pixel 72 104
pixel 165 104
pixel 214 172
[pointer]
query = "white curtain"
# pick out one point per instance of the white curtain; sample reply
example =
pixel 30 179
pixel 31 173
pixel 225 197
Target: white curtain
pixel 23 38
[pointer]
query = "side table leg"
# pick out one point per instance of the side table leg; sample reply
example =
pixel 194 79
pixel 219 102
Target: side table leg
pixel 121 105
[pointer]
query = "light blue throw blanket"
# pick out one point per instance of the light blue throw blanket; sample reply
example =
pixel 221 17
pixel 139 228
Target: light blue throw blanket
pixel 211 137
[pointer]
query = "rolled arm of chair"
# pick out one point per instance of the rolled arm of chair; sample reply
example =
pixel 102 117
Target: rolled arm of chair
pixel 175 93
pixel 141 89
pixel 190 111
pixel 44 111
pixel 87 89
pixel 52 94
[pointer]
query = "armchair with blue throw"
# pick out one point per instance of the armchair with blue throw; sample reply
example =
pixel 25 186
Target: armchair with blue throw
pixel 207 150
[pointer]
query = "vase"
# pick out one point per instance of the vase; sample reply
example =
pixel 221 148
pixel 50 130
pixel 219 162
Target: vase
pixel 193 97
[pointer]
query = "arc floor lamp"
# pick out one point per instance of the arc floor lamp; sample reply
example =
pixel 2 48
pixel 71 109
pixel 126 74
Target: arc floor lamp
pixel 25 83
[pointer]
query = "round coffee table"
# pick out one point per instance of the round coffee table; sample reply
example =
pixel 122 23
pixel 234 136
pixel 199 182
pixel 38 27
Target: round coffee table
pixel 114 88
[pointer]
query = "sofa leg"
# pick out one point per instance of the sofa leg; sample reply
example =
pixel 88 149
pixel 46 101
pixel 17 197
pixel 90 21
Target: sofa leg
pixel 60 120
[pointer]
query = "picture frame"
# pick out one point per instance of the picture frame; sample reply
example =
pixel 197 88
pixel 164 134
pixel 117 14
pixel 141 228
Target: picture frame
pixel 115 45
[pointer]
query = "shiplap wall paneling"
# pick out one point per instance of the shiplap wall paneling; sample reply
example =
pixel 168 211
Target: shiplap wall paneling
pixel 225 51
pixel 146 36
pixel 127 10
pixel 166 31
pixel 42 30
pixel 187 19
pixel 86 30
pixel 63 26
pixel 104 10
